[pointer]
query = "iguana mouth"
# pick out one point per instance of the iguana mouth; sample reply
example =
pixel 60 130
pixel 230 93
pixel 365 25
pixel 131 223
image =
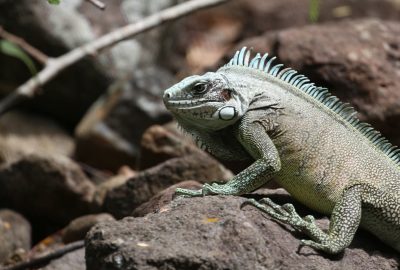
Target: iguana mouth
pixel 188 103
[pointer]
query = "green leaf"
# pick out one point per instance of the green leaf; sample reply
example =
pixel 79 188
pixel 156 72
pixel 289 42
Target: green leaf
pixel 54 2
pixel 313 12
pixel 10 49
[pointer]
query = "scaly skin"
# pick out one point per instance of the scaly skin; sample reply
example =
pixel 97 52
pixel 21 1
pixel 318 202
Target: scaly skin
pixel 314 152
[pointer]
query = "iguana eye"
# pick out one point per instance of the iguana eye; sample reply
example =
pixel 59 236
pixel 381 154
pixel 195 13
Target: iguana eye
pixel 199 88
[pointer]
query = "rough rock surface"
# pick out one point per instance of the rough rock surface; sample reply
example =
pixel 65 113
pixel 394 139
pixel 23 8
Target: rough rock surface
pixel 122 200
pixel 365 71
pixel 109 134
pixel 71 261
pixel 77 228
pixel 159 201
pixel 215 233
pixel 15 234
pixel 52 190
pixel 22 133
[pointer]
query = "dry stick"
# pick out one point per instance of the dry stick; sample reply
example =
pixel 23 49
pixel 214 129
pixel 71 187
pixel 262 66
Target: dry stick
pixel 35 53
pixel 97 3
pixel 41 259
pixel 55 65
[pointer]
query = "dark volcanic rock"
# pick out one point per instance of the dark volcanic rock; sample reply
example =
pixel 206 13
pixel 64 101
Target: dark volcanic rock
pixel 15 234
pixel 122 200
pixel 215 233
pixel 77 228
pixel 359 61
pixel 163 198
pixel 52 190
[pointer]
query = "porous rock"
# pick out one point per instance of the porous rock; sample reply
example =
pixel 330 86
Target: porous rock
pixel 159 201
pixel 213 232
pixel 47 190
pixel 358 60
pixel 15 234
pixel 123 199
pixel 77 228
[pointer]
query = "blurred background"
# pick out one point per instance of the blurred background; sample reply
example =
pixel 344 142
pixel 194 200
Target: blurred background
pixel 71 150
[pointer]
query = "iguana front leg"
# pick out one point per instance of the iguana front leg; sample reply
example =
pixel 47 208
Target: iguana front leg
pixel 254 138
pixel 344 221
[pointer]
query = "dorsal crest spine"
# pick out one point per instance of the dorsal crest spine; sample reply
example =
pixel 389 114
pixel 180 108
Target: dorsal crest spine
pixel 302 83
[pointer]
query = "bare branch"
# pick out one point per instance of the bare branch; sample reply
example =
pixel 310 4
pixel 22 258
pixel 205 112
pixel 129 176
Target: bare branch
pixel 97 3
pixel 41 259
pixel 55 65
pixel 35 53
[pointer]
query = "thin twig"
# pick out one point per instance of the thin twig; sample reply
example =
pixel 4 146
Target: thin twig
pixel 97 3
pixel 35 53
pixel 55 65
pixel 39 260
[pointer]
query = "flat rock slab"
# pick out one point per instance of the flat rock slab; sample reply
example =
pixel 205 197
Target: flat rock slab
pixel 214 233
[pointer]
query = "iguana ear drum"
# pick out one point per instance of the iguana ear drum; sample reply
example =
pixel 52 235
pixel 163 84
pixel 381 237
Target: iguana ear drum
pixel 227 113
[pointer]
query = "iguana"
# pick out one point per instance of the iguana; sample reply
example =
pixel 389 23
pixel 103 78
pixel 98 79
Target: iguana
pixel 310 142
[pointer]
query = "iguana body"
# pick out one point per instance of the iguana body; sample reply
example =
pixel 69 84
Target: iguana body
pixel 310 142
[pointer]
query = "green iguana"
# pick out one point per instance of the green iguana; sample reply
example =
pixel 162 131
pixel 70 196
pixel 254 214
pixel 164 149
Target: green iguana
pixel 310 142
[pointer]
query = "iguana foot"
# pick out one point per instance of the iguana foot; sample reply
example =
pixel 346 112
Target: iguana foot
pixel 207 189
pixel 188 192
pixel 288 215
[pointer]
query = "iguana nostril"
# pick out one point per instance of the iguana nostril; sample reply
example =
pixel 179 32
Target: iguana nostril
pixel 167 95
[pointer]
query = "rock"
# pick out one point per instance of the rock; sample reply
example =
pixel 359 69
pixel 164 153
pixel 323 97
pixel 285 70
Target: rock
pixel 158 202
pixel 160 143
pixel 123 175
pixel 46 190
pixel 212 232
pixel 109 134
pixel 22 134
pixel 206 35
pixel 74 260
pixel 268 15
pixel 359 61
pixel 77 228
pixel 15 234
pixel 122 200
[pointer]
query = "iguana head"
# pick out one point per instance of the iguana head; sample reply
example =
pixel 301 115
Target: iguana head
pixel 207 101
